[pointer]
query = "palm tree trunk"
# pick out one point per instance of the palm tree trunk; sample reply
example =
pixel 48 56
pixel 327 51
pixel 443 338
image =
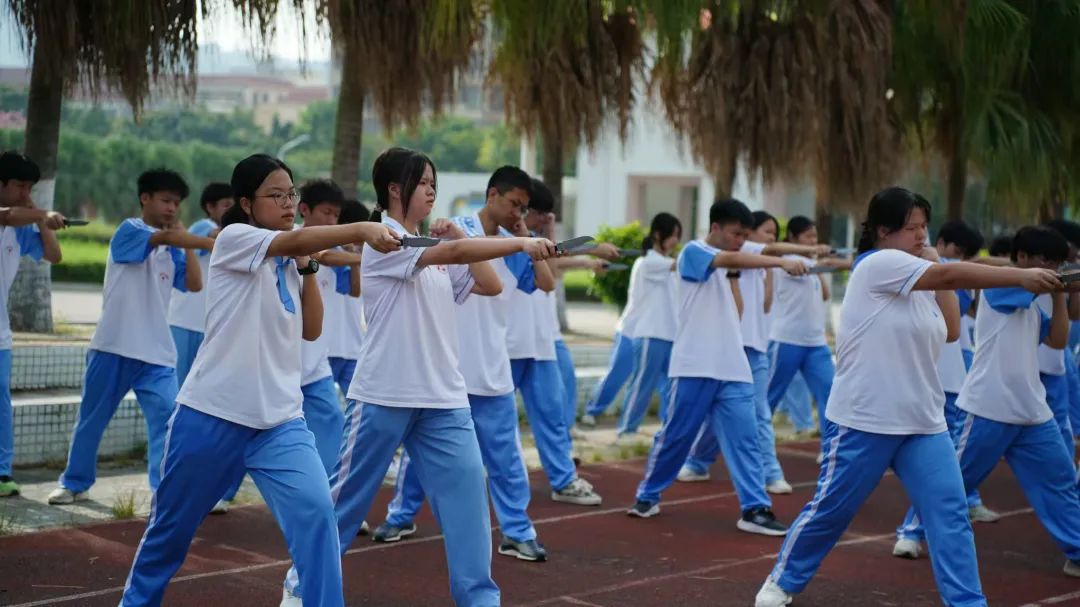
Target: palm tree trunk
pixel 822 212
pixel 957 184
pixel 30 303
pixel 724 180
pixel 553 171
pixel 349 125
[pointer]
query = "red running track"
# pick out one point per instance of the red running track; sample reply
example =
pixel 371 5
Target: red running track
pixel 690 555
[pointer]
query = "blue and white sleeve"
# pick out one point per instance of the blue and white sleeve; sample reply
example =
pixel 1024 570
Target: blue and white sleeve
pixel 1007 300
pixel 29 239
pixel 695 263
pixel 521 266
pixel 179 281
pixel 131 242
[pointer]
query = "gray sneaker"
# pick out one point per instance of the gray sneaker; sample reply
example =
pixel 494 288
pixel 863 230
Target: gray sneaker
pixel 528 550
pixel 578 492
pixel 982 514
pixel 386 533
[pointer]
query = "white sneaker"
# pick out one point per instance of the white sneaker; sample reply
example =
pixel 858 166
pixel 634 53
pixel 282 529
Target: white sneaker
pixel 820 457
pixel 289 599
pixel 578 492
pixel 1072 568
pixel 221 507
pixel 689 475
pixel 907 548
pixel 982 514
pixel 779 487
pixel 771 595
pixel 62 496
pixel 588 420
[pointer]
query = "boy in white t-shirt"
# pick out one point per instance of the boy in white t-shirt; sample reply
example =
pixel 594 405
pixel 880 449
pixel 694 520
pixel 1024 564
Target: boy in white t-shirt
pixel 132 348
pixel 24 232
pixel 711 378
pixel 1005 404
pixel 187 310
pixel 345 341
pixel 482 326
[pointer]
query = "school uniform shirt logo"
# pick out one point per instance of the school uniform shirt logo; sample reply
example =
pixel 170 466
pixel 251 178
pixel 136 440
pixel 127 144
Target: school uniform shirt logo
pixel 10 249
pixel 441 269
pixel 163 276
pixel 324 283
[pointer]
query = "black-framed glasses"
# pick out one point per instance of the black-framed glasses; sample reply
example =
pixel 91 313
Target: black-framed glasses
pixel 282 198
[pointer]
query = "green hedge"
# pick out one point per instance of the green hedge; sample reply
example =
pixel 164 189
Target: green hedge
pixel 84 257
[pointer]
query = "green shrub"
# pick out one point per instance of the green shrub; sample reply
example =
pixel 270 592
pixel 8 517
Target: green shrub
pixel 97 231
pixel 612 287
pixel 83 261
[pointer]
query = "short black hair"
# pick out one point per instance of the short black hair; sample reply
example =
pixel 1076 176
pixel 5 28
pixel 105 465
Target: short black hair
pixel 213 192
pixel 318 191
pixel 163 180
pixel 797 225
pixel 729 210
pixel 959 233
pixel 1042 242
pixel 353 211
pixel 1001 245
pixel 247 176
pixel 14 165
pixel 890 209
pixel 507 177
pixel 541 200
pixel 1069 229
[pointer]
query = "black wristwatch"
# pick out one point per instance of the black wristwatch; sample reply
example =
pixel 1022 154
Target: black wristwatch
pixel 734 274
pixel 312 267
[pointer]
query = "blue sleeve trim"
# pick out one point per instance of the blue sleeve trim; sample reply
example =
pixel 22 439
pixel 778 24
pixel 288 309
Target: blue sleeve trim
pixel 179 281
pixel 1007 300
pixel 695 263
pixel 131 242
pixel 30 244
pixel 343 283
pixel 861 257
pixel 965 300
pixel 521 266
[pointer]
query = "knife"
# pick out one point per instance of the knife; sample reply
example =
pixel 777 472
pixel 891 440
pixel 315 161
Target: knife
pixel 1069 278
pixel 821 270
pixel 72 222
pixel 418 241
pixel 615 267
pixel 568 246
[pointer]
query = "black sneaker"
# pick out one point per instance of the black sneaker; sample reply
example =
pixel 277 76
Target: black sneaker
pixel 761 521
pixel 529 550
pixel 642 509
pixel 386 533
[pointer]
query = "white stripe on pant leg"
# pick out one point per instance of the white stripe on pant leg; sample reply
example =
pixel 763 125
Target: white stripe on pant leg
pixel 823 490
pixel 153 497
pixel 347 452
pixel 659 444
pixel 631 397
pixel 965 434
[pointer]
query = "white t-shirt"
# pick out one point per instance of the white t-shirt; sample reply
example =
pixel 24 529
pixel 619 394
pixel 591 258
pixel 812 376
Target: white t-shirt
pixel 247 370
pixel 1051 360
pixel 313 354
pixel 410 356
pixel 887 344
pixel 353 329
pixel 708 340
pixel 1003 384
pixel 138 282
pixel 651 303
pixel 14 243
pixel 755 323
pixel 798 310
pixel 531 335
pixel 341 313
pixel 482 321
pixel 188 310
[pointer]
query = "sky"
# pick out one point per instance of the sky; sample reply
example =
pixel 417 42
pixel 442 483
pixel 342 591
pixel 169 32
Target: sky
pixel 225 31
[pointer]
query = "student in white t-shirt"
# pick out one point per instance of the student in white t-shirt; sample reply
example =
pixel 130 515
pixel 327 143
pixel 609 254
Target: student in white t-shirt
pixel 482 326
pixel 1071 231
pixel 711 378
pixel 1005 403
pixel 756 288
pixel 1053 361
pixel 651 307
pixel 24 232
pixel 187 309
pixel 408 387
pixel 347 339
pixel 241 408
pixel 534 365
pixel 800 308
pixel 132 348
pixel 956 241
pixel 886 409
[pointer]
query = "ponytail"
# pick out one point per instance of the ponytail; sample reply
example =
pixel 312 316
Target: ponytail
pixel 663 226
pixel 867 240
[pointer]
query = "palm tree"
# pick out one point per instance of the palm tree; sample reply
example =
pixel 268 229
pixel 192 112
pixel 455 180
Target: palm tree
pixel 791 88
pixel 566 69
pixel 404 56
